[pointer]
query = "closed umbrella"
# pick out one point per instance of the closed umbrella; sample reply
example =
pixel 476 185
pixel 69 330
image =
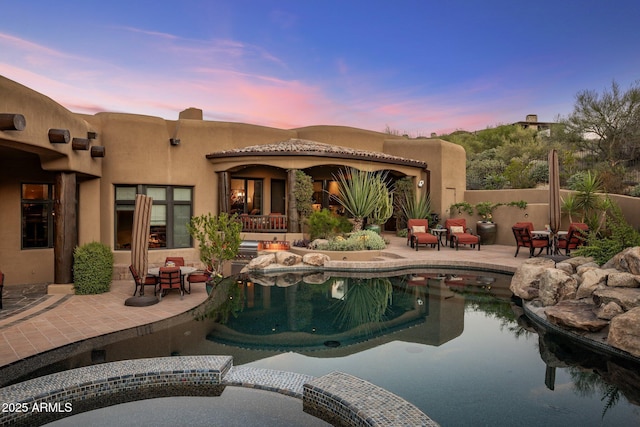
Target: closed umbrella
pixel 554 199
pixel 140 247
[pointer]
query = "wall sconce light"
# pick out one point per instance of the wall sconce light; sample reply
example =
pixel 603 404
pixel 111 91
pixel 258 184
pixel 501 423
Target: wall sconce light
pixel 421 183
pixel 174 141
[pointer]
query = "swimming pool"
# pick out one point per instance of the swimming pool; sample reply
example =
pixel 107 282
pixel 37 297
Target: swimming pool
pixel 448 341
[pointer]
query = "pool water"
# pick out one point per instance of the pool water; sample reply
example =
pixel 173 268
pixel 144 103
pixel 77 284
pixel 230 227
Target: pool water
pixel 448 341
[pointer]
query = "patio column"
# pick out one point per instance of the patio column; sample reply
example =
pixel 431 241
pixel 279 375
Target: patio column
pixel 66 230
pixel 292 210
pixel 224 192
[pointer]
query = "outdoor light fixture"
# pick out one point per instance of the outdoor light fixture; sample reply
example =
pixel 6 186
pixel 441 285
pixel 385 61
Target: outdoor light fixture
pixel 174 141
pixel 421 183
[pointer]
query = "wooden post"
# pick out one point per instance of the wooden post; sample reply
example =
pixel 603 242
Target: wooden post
pixel 9 121
pixel 66 237
pixel 80 144
pixel 292 209
pixel 224 191
pixel 97 151
pixel 59 136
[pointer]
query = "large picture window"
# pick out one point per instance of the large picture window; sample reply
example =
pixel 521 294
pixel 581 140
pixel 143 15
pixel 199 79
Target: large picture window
pixel 171 211
pixel 37 215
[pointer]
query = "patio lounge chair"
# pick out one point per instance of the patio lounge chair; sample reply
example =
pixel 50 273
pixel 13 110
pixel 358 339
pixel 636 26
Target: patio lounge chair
pixel 148 280
pixel 575 237
pixel 170 278
pixel 522 231
pixel 459 234
pixel 418 234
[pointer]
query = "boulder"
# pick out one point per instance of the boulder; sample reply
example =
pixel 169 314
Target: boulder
pixel 624 332
pixel 566 267
pixel 590 280
pixel 525 283
pixel 623 280
pixel 627 298
pixel 575 314
pixel 608 311
pixel 628 261
pixel 577 261
pixel 287 258
pixel 261 262
pixel 556 285
pixel 582 268
pixel 315 259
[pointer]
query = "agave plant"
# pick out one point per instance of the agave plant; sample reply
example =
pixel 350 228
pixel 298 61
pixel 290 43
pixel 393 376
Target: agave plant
pixel 359 193
pixel 417 208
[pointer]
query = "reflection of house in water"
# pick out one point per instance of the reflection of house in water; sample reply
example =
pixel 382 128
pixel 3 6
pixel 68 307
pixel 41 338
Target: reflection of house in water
pixel 291 314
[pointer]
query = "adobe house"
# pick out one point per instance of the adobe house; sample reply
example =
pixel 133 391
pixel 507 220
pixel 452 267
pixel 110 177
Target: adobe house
pixel 67 179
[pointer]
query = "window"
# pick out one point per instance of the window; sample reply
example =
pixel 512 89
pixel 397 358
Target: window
pixel 37 215
pixel 171 211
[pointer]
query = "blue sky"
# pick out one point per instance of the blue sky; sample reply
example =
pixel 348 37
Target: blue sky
pixel 413 66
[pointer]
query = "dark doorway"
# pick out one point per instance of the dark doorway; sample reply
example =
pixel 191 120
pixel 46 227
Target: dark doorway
pixel 278 196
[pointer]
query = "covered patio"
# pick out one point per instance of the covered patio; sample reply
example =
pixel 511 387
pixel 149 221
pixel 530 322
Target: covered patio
pixel 258 181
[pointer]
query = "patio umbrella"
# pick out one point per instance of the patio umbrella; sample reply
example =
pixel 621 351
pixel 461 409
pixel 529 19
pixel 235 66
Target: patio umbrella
pixel 140 247
pixel 554 198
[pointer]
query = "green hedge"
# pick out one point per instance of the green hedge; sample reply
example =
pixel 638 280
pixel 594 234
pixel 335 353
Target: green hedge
pixel 92 268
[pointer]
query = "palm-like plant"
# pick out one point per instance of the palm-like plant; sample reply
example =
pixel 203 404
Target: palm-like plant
pixel 359 193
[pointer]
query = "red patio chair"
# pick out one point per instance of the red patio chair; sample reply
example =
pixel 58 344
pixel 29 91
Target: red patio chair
pixel 522 231
pixel 148 280
pixel 178 261
pixel 170 278
pixel 458 233
pixel 418 234
pixel 575 237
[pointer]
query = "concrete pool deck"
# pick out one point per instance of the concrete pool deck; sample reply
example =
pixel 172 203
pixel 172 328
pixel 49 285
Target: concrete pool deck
pixel 57 320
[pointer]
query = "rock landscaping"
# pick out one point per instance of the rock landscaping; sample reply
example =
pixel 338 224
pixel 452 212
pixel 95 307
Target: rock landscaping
pixel 601 302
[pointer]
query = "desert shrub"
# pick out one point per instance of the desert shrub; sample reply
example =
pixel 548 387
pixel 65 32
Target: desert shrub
pixel 92 268
pixel 322 224
pixel 635 191
pixel 359 241
pixel 616 236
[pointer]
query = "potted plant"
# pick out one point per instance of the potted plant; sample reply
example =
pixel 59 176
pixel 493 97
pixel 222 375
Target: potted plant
pixel 486 228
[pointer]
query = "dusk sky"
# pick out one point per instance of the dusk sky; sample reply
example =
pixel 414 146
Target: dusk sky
pixel 416 67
